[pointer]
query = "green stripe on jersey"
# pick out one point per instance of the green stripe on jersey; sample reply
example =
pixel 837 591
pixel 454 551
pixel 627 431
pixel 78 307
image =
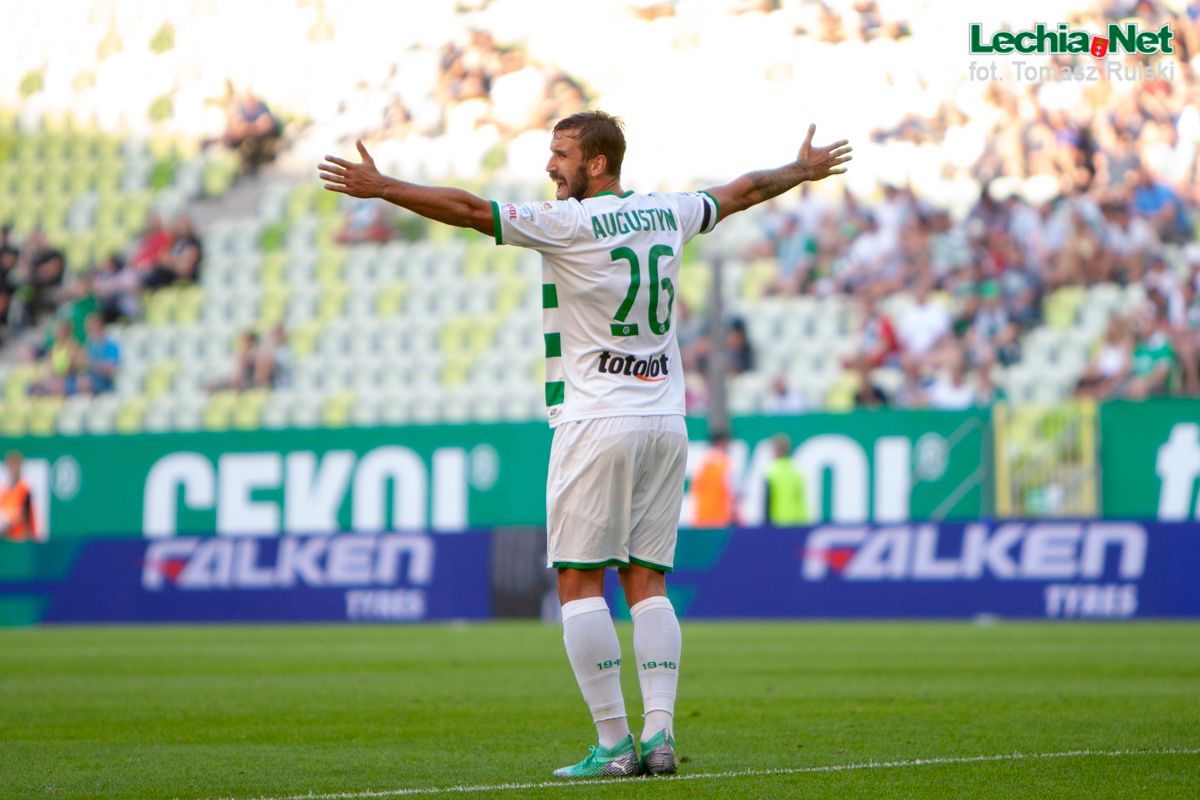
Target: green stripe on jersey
pixel 649 564
pixel 624 330
pixel 496 222
pixel 612 562
pixel 549 295
pixel 553 345
pixel 555 392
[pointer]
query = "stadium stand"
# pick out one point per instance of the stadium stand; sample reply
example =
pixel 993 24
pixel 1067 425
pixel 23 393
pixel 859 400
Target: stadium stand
pixel 990 234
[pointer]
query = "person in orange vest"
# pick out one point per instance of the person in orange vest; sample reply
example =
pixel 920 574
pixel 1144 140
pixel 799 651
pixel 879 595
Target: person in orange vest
pixel 712 486
pixel 17 519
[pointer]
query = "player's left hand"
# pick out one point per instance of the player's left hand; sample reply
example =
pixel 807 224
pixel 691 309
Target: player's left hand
pixel 823 161
pixel 356 180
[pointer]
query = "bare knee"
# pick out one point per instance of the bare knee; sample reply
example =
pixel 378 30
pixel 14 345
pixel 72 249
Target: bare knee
pixel 641 582
pixel 576 584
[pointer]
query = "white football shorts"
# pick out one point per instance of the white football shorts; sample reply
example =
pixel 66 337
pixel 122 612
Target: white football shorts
pixel 614 492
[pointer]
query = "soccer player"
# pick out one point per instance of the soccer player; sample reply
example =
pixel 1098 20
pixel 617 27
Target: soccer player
pixel 614 390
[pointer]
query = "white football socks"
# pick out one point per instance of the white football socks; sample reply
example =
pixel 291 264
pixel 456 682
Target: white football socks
pixel 595 655
pixel 656 646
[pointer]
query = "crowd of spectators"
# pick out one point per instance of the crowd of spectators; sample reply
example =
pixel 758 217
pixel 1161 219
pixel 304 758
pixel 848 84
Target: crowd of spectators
pixel 1081 183
pixel 479 93
pixel 60 319
pixel 260 364
pixel 977 287
pixel 500 84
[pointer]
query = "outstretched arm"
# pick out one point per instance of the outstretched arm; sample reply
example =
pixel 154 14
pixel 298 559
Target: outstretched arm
pixel 811 164
pixel 443 204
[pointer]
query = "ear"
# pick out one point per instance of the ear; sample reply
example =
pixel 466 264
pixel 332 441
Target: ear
pixel 598 166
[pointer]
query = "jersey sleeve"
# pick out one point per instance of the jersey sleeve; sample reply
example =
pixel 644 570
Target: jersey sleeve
pixel 698 212
pixel 541 225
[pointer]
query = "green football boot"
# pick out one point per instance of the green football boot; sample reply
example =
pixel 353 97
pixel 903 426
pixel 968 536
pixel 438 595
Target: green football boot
pixel 658 754
pixel 618 761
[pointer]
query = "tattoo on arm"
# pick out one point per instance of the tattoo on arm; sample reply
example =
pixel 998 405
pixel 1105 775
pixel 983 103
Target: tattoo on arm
pixel 768 183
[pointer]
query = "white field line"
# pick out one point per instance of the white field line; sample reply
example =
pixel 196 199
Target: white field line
pixel 745 773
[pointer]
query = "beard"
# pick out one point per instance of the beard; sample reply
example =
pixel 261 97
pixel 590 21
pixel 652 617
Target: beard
pixel 575 184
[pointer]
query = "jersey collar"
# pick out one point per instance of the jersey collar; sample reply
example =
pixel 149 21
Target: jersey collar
pixel 614 194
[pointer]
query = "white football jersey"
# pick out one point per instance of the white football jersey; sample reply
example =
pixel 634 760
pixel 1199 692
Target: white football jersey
pixel 610 273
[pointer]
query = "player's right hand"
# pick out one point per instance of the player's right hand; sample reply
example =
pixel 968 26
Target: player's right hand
pixel 357 180
pixel 823 161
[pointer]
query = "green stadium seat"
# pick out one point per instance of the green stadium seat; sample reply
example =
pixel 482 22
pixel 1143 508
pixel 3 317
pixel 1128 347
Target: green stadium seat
pixel 395 411
pixel 160 377
pixel 129 415
pixel 189 305
pixel 331 302
pixel 218 412
pixel 305 411
pixel 366 412
pixel 17 382
pixel 14 416
pixel 72 416
pixel 159 416
pixel 839 396
pixel 248 408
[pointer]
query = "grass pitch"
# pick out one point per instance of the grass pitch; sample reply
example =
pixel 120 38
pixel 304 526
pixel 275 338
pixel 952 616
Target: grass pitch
pixel 275 712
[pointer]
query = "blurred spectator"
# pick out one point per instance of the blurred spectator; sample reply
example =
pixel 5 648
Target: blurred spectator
pixel 245 364
pixel 986 391
pixel 365 221
pixel 17 519
pixel 179 260
pixel 696 397
pixel 923 325
pixel 40 270
pixel 1104 375
pixel 8 276
pixel 738 353
pixel 1081 259
pixel 913 391
pixel 874 253
pixel 186 253
pixel 1128 242
pixel 275 363
pixel 877 341
pixel 250 128
pixel 1156 202
pixel 1186 332
pixel 792 247
pixel 151 249
pixel 787 492
pixel 712 485
pixel 1153 358
pixel 7 246
pixel 867 393
pixel 62 360
pixel 78 302
pixel 992 336
pixel 689 330
pixel 784 399
pixel 951 390
pixel 101 358
pixel 117 289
